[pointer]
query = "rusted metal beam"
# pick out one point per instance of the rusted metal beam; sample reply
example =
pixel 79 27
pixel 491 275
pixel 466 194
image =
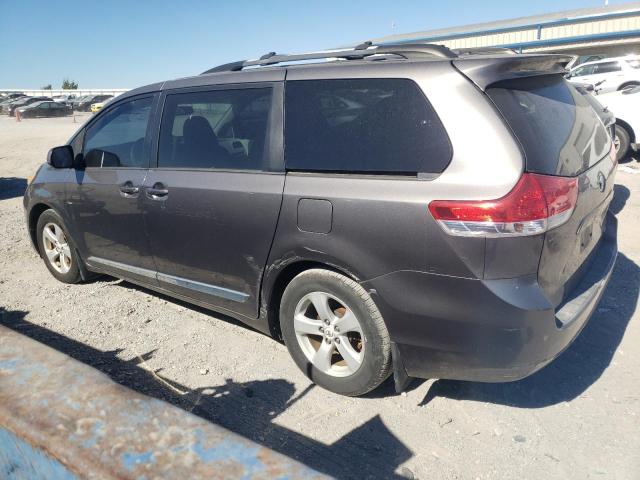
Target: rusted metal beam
pixel 62 419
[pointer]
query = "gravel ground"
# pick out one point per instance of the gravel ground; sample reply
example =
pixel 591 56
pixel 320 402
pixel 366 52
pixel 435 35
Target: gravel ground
pixel 577 418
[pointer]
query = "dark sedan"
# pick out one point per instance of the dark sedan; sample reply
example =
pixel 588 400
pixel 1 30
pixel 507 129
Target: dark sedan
pixel 45 109
pixel 23 102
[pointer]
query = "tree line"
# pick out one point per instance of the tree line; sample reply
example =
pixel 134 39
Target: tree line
pixel 66 85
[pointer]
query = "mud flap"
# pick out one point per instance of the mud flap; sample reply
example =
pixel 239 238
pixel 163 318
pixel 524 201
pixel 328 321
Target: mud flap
pixel 400 377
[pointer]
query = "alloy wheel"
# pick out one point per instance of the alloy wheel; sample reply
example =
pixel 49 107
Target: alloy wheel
pixel 56 247
pixel 329 334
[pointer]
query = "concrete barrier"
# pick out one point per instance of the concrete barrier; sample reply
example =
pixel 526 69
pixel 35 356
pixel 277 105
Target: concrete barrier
pixel 60 419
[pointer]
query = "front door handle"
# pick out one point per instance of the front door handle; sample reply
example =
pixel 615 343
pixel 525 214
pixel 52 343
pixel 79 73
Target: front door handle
pixel 157 192
pixel 128 190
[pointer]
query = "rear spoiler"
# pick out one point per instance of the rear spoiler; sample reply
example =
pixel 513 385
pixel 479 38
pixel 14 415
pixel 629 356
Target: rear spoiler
pixel 486 70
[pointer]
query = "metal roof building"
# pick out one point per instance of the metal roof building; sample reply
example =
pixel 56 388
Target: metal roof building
pixel 612 30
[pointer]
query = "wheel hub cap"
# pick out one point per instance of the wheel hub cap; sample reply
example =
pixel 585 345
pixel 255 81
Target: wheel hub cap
pixel 329 334
pixel 56 247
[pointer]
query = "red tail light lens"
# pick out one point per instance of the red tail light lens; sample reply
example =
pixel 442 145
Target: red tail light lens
pixel 536 204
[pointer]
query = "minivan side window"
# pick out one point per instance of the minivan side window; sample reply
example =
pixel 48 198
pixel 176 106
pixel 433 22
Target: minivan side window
pixel 225 129
pixel 363 125
pixel 117 138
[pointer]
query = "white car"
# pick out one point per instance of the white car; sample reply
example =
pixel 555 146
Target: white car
pixel 625 105
pixel 610 74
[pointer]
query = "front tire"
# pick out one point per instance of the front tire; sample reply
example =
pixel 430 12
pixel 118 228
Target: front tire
pixel 335 332
pixel 627 86
pixel 57 248
pixel 621 142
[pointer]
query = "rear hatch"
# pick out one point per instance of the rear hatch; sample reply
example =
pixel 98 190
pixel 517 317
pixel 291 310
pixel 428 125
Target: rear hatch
pixel 561 135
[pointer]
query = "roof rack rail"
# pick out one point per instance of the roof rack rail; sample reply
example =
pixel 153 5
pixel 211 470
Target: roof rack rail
pixel 366 49
pixel 484 51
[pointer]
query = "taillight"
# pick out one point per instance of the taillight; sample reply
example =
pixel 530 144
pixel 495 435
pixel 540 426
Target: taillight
pixel 536 204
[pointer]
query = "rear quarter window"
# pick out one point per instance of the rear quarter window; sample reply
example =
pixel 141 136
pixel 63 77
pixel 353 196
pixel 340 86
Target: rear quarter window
pixel 382 126
pixel 560 132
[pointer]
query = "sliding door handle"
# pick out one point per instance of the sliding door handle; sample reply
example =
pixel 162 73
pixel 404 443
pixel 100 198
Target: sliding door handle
pixel 157 192
pixel 128 190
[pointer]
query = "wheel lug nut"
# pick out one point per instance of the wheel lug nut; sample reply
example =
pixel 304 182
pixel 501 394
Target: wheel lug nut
pixel 321 329
pixel 326 322
pixel 328 340
pixel 337 340
pixel 336 329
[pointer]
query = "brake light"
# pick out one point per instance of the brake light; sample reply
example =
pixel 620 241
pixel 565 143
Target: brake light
pixel 536 204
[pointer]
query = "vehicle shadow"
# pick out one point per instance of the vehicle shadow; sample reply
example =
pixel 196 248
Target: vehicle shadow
pixel 191 306
pixel 11 187
pixel 249 409
pixel 620 196
pixel 582 363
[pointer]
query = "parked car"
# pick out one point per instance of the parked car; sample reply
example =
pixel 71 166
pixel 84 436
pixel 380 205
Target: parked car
pixel 85 104
pixel 580 59
pixel 45 109
pixel 454 225
pixel 625 106
pixel 11 96
pixel 612 73
pixel 21 102
pixel 73 102
pixel 96 107
pixel 66 99
pixel 7 101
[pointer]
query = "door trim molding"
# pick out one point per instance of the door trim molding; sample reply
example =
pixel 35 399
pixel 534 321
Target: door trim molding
pixel 205 288
pixel 103 262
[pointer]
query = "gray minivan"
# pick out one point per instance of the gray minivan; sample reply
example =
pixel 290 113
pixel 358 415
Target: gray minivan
pixel 402 209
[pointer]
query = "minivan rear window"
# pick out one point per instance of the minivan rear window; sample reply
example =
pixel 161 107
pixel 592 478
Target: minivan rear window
pixel 362 125
pixel 558 129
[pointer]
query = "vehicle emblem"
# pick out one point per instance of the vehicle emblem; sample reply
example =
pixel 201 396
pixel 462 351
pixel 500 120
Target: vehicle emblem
pixel 602 182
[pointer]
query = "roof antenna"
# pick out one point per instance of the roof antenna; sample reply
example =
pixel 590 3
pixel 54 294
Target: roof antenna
pixel 364 45
pixel 268 55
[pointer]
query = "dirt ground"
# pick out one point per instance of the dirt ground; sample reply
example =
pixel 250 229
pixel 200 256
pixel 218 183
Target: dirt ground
pixel 578 418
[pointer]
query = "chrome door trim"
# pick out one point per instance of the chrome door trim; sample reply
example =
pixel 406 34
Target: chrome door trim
pixel 205 288
pixel 103 262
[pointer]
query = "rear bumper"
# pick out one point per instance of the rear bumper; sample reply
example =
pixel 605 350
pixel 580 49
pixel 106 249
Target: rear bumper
pixel 486 330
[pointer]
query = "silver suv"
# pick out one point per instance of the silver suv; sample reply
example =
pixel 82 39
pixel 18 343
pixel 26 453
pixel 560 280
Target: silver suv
pixel 401 209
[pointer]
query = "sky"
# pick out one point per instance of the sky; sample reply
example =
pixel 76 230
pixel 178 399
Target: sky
pixel 125 44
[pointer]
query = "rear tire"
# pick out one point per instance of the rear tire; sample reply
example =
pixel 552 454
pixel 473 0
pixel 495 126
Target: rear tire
pixel 342 345
pixel 622 142
pixel 57 248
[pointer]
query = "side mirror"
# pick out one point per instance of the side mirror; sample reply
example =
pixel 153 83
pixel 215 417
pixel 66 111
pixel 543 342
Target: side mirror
pixel 61 157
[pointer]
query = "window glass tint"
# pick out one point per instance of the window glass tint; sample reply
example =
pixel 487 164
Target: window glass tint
pixel 216 129
pixel 116 139
pixel 362 125
pixel 607 67
pixel 558 129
